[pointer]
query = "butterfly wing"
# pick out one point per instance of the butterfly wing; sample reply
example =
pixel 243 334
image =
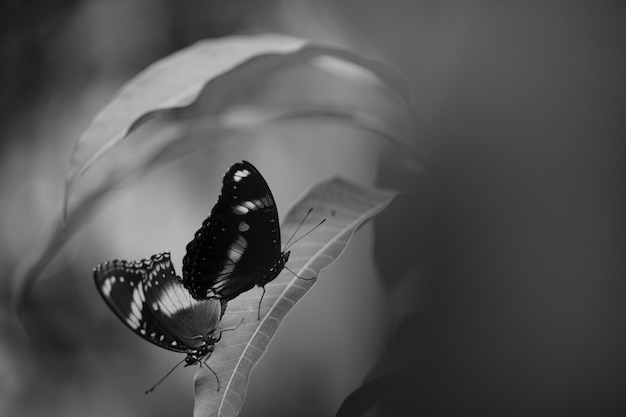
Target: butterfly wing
pixel 150 299
pixel 240 240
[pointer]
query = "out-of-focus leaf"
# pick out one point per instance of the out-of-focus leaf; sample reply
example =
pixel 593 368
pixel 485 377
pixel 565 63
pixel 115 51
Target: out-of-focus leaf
pixel 172 81
pixel 206 79
pixel 345 207
pixel 228 88
pixel 403 232
pixel 392 371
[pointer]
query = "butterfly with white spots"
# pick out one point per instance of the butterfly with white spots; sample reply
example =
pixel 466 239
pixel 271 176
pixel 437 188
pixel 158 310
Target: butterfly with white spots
pixel 236 248
pixel 150 298
pixel 238 245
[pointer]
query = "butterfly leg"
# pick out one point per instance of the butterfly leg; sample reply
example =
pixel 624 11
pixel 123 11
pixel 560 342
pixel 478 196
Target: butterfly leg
pixel 218 338
pixel 163 379
pixel 211 369
pixel 260 301
pixel 301 277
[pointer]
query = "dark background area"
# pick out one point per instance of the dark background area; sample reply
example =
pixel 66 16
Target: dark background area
pixel 511 250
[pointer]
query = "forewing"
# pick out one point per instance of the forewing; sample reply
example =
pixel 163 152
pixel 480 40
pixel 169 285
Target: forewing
pixel 238 242
pixel 150 299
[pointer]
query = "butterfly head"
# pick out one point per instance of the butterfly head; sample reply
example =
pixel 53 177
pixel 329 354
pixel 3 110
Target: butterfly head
pixel 200 354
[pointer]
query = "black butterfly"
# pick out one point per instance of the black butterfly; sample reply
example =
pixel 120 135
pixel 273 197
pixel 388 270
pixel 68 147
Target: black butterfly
pixel 238 245
pixel 150 299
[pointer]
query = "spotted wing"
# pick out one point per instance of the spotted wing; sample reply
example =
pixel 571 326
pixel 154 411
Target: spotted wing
pixel 240 240
pixel 150 299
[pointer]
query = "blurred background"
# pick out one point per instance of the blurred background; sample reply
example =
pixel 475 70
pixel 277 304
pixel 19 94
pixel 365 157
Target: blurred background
pixel 509 249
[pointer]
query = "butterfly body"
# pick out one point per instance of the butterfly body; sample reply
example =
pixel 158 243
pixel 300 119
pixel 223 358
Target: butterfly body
pixel 151 300
pixel 238 245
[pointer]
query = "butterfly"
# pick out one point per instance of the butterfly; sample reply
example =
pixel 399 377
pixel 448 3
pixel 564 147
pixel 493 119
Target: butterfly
pixel 238 245
pixel 150 298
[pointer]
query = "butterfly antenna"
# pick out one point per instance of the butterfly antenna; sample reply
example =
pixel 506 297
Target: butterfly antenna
pixel 215 374
pixel 166 375
pixel 304 235
pixel 228 330
pixel 299 226
pixel 298 276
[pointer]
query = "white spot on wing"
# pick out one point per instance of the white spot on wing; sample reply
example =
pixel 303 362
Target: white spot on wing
pixel 233 255
pixel 135 310
pixel 236 250
pixel 239 174
pixel 138 297
pixel 239 209
pixel 107 286
pixel 173 299
pixel 250 205
pixel 244 227
pixel 132 321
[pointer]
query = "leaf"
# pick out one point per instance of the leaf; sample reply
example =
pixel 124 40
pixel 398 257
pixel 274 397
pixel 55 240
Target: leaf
pixel 345 207
pixel 173 81
pixel 393 371
pixel 207 79
pixel 403 233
